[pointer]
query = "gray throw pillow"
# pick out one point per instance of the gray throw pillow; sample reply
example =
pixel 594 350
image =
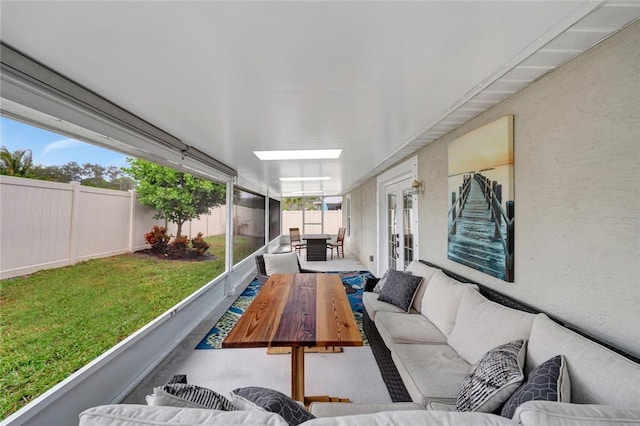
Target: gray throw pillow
pixel 547 382
pixel 254 397
pixel 399 289
pixel 184 395
pixel 493 379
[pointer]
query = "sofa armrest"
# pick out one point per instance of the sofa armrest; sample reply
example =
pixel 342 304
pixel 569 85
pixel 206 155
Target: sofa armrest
pixel 336 409
pixel 371 284
pixel 565 414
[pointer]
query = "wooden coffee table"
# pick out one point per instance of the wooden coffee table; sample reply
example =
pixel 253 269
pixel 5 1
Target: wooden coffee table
pixel 297 311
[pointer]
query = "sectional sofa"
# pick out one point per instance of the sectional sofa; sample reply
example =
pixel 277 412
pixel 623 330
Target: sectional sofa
pixel 444 345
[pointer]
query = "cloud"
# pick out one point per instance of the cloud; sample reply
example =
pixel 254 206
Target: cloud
pixel 61 144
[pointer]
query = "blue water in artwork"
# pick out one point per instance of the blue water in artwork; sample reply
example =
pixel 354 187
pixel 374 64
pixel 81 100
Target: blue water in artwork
pixel 355 280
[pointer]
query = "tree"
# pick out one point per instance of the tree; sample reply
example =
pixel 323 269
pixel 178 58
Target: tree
pixel 177 196
pixel 17 163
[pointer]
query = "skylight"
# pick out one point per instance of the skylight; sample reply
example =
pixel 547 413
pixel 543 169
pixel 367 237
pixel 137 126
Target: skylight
pixel 304 179
pixel 299 154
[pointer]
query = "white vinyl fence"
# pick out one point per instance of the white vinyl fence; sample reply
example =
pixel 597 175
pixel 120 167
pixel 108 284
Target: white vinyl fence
pixel 293 219
pixel 49 224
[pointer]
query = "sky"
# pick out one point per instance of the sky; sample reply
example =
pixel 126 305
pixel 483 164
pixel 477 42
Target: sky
pixel 51 149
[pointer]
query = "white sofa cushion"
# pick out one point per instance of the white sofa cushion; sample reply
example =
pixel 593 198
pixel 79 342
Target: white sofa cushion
pixel 426 272
pixel 441 300
pixel 598 375
pixel 421 417
pixel 334 409
pixel 430 372
pixel 144 415
pixel 281 263
pixel 481 325
pixel 536 413
pixel 373 305
pixel 402 328
pixel 441 406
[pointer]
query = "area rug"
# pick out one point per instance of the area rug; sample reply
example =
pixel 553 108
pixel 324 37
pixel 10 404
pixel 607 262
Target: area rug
pixel 353 281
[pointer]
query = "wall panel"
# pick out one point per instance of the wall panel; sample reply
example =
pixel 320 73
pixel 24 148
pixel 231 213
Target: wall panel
pixel 577 193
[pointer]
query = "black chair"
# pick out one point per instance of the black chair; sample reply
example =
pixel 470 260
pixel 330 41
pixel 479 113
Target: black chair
pixel 262 269
pixel 263 277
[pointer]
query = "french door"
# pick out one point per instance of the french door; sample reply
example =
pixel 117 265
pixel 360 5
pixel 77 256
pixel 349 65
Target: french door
pixel 400 224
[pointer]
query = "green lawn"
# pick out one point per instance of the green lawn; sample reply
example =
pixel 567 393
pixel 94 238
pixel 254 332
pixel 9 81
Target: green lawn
pixel 54 322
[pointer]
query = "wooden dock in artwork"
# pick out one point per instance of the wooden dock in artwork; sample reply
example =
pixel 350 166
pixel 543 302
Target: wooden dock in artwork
pixel 480 229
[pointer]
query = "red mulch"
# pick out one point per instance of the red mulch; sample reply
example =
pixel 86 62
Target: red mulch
pixel 188 256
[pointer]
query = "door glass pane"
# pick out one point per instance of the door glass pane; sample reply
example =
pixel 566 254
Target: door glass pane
pixel 407 211
pixel 392 249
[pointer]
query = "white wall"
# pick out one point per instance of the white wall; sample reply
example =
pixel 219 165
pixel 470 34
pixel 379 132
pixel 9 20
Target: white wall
pixel 577 193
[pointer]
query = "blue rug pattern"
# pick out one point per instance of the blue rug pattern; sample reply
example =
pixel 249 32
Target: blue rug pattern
pixel 355 280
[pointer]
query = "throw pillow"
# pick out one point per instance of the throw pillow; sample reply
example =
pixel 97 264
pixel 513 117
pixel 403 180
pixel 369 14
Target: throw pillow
pixel 281 263
pixel 273 401
pixel 400 289
pixel 492 380
pixel 184 395
pixel 381 282
pixel 547 382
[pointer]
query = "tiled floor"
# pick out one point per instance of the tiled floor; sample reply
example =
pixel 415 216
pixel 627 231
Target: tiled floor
pixel 353 373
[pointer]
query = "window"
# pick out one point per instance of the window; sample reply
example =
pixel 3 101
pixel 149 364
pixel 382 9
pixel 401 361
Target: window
pixel 248 223
pixel 274 219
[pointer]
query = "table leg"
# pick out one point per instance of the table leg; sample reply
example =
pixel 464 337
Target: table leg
pixel 297 373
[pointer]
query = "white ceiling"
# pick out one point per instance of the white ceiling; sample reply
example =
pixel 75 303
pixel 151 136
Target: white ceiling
pixel 377 79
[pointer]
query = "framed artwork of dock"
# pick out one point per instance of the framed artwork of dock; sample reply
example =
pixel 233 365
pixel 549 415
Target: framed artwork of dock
pixel 481 204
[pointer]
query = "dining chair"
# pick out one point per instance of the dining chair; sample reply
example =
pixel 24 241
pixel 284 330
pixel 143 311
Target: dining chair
pixel 295 240
pixel 261 267
pixel 338 244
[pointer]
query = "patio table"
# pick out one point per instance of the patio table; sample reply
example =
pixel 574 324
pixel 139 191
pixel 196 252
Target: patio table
pixel 297 311
pixel 316 246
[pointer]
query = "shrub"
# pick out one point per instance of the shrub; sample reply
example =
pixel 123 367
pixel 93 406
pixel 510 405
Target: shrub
pixel 199 245
pixel 158 238
pixel 179 245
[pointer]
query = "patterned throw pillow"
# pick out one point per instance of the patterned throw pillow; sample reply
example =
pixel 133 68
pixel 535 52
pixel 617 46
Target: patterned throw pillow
pixel 184 395
pixel 381 282
pixel 547 382
pixel 399 289
pixel 251 398
pixel 492 380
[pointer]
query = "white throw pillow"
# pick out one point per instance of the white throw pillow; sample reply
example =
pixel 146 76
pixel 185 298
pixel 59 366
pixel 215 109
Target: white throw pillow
pixel 441 300
pixel 281 263
pixel 481 325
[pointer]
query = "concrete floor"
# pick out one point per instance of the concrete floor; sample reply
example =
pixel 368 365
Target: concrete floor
pixel 353 373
